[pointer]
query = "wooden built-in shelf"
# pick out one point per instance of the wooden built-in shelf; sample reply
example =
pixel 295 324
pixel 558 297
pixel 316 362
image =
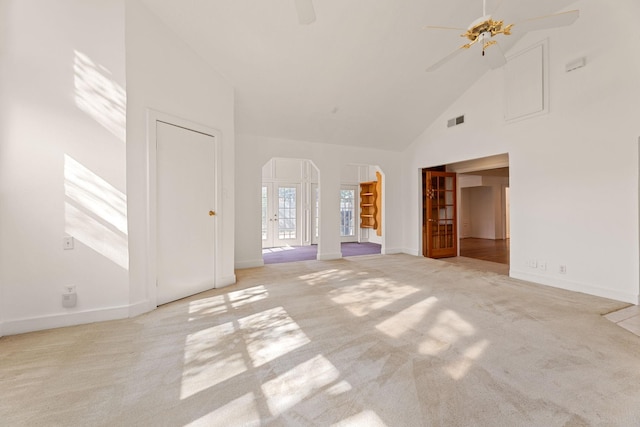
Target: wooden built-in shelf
pixel 368 204
pixel 371 204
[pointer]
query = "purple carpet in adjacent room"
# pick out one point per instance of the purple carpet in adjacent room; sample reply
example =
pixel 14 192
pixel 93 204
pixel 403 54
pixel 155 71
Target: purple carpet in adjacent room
pixel 307 253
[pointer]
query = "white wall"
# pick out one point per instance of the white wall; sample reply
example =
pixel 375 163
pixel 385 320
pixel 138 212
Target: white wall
pixel 73 159
pixel 164 74
pixel 62 162
pixel 574 171
pixel 252 152
pixel 481 206
pixel 482 218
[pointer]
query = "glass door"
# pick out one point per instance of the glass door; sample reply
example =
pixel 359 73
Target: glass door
pixel 280 215
pixel 348 213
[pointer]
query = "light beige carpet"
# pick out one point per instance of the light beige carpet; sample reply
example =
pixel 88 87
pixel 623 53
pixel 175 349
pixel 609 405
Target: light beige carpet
pixel 371 341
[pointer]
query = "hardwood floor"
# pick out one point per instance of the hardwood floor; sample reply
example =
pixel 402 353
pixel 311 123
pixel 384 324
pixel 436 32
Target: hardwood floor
pixel 485 249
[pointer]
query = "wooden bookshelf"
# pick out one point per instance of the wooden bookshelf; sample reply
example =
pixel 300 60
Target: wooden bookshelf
pixel 368 207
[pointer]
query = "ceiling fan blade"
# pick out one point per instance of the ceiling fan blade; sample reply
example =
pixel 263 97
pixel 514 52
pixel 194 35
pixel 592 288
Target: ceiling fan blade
pixel 435 27
pixel 445 59
pixel 306 12
pixel 494 56
pixel 544 22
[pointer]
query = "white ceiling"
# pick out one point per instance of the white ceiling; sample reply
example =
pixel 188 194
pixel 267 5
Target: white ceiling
pixel 356 76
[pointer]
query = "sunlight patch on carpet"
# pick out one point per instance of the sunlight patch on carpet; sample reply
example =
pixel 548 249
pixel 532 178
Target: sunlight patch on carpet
pixel 459 368
pixel 323 276
pixel 271 334
pixel 248 296
pixel 401 322
pixel 300 382
pixel 210 306
pixel 369 295
pixel 208 361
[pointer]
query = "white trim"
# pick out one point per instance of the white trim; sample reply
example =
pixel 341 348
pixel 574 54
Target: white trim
pixel 154 116
pixel 39 323
pixel 141 307
pixel 392 251
pixel 329 257
pixel 409 251
pixel 544 44
pixel 574 286
pixel 225 281
pixel 249 264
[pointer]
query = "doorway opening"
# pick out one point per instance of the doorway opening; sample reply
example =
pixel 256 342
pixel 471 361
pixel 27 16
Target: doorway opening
pixel 291 211
pixel 289 195
pixel 481 211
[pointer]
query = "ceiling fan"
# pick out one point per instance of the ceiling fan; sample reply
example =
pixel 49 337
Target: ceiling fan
pixel 483 30
pixel 306 12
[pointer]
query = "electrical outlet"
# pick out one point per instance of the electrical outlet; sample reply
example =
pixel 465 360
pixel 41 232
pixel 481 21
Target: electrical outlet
pixel 67 243
pixel 533 263
pixel 542 265
pixel 70 289
pixel 562 269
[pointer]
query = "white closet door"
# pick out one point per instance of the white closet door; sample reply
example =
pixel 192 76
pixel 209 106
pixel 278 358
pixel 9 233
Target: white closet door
pixel 185 217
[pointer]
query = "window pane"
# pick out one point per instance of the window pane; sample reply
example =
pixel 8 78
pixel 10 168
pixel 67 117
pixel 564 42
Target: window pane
pixel 347 212
pixel 264 213
pixel 287 213
pixel 317 224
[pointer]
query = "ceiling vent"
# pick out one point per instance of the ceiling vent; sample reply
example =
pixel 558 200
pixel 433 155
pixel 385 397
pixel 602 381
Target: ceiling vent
pixel 455 121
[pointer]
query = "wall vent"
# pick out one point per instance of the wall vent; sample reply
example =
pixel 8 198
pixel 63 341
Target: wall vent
pixel 455 121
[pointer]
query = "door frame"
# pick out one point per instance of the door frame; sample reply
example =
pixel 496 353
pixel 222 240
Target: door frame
pixel 154 116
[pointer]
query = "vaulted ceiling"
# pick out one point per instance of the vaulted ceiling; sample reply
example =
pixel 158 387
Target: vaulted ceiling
pixel 356 76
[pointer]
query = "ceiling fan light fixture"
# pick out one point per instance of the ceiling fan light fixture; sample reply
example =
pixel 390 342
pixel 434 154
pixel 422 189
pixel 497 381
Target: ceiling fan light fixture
pixel 483 30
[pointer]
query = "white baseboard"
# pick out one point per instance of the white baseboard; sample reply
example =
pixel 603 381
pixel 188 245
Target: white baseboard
pixel 60 320
pixel 225 281
pixel 392 251
pixel 409 251
pixel 329 256
pixel 141 307
pixel 574 286
pixel 249 264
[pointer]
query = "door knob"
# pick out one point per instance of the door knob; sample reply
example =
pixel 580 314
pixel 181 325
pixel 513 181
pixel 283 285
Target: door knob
pixel 212 213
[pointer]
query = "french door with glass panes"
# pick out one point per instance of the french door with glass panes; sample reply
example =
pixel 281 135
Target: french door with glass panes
pixel 440 239
pixel 280 215
pixel 348 214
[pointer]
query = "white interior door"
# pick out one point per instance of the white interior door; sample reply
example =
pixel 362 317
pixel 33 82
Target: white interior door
pixel 281 221
pixel 185 168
